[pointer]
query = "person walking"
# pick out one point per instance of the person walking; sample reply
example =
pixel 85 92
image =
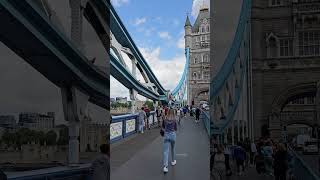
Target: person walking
pixel 101 166
pixel 141 118
pixel 267 153
pixel 158 113
pixel 227 155
pixel 178 115
pixel 169 127
pixel 239 155
pixel 219 163
pixel 147 111
pixel 280 162
pixel 253 152
pixel 197 115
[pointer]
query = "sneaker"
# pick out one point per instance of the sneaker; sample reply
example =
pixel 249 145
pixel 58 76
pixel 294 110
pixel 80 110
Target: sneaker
pixel 165 169
pixel 174 162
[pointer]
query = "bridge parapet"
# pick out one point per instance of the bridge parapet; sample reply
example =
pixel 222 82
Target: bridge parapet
pixel 126 125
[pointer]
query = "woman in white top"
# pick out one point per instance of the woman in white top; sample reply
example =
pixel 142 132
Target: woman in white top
pixel 219 162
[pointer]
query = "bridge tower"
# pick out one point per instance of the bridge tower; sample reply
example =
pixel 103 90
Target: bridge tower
pixel 197 38
pixel 285 64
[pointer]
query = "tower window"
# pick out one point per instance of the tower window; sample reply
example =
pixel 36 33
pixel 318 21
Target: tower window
pixel 286 48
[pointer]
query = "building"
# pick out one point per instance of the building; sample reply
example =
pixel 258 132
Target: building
pixel 197 38
pixel 92 135
pixel 8 121
pixel 36 121
pixel 285 46
pixel 121 100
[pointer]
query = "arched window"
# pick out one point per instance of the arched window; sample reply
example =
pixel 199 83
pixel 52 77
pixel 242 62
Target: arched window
pixel 272 47
pixel 208 28
pixel 195 60
pixel 194 76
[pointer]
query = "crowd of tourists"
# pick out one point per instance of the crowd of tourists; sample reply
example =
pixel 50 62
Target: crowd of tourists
pixel 268 157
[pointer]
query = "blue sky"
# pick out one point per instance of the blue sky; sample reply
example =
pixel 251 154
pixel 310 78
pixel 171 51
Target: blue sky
pixel 156 23
pixel 157 27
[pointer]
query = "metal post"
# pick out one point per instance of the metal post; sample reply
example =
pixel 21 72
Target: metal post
pixel 232 132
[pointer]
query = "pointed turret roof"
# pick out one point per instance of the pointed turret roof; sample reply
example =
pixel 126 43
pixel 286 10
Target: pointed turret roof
pixel 187 22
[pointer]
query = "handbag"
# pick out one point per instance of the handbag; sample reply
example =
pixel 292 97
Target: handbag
pixel 161 132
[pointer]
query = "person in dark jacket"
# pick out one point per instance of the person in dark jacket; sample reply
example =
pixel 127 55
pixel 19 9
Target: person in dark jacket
pixel 240 156
pixel 197 115
pixel 280 166
pixel 101 166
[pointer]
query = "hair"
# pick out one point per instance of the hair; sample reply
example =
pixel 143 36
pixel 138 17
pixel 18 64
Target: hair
pixel 142 108
pixel 105 149
pixel 171 114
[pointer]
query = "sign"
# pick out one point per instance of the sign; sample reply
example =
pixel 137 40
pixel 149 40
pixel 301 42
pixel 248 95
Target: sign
pixel 115 130
pixel 130 125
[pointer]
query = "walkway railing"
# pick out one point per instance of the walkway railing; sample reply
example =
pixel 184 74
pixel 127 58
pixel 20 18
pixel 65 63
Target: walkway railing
pixel 299 169
pixel 205 117
pixel 125 125
pixel 83 172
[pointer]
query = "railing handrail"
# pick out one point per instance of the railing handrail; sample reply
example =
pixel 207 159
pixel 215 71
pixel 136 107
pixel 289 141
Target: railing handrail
pixel 304 164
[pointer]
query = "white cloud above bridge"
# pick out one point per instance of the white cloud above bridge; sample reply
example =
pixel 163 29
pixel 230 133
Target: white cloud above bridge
pixel 197 5
pixel 119 3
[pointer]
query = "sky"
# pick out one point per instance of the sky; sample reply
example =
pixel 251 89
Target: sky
pixel 157 28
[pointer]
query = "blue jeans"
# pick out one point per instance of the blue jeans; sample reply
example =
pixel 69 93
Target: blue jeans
pixel 169 139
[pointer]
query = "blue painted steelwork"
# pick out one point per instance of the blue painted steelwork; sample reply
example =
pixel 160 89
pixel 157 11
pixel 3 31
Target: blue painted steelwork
pixel 205 117
pixel 180 90
pixel 83 172
pixel 47 49
pixel 124 118
pixel 124 38
pixel 298 169
pixel 240 42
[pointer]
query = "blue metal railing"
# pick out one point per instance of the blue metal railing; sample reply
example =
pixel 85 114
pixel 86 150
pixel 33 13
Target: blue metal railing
pixel 126 125
pixel 83 172
pixel 298 169
pixel 205 117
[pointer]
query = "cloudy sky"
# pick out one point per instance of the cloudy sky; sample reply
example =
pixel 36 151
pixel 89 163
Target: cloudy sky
pixel 157 27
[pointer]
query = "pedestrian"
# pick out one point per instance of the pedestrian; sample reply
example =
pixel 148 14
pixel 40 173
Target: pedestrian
pixel 101 166
pixel 239 155
pixel 185 109
pixel 197 115
pixel 280 162
pixel 178 115
pixel 259 160
pixel 158 113
pixel 219 162
pixel 169 127
pixel 268 160
pixel 191 112
pixel 227 155
pixel 147 111
pixel 253 152
pixel 141 119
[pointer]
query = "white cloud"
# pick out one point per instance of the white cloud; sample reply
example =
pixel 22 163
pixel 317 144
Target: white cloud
pixel 139 21
pixel 167 71
pixel 118 3
pixel 164 35
pixel 176 22
pixel 197 5
pixel 180 43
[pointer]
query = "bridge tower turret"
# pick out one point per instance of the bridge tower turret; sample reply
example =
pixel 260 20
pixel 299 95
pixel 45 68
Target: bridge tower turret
pixel 188 31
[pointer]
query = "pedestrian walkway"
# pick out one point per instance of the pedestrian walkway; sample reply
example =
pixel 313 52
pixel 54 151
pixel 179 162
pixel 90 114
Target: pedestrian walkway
pixel 145 161
pixel 250 174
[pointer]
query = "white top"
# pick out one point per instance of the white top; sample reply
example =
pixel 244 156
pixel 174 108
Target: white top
pixel 178 113
pixel 253 147
pixel 219 161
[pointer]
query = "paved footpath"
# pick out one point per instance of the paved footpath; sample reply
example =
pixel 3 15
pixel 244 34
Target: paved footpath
pixel 138 159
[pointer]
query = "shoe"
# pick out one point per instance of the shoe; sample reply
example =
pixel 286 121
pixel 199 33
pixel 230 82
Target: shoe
pixel 174 162
pixel 165 169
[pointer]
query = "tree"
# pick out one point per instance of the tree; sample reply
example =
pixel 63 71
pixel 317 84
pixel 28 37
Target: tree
pixel 149 104
pixel 51 138
pixel 63 135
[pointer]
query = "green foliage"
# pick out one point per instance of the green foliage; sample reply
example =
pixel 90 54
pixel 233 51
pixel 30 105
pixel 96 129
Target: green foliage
pixel 51 138
pixel 149 104
pixel 116 105
pixel 63 136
